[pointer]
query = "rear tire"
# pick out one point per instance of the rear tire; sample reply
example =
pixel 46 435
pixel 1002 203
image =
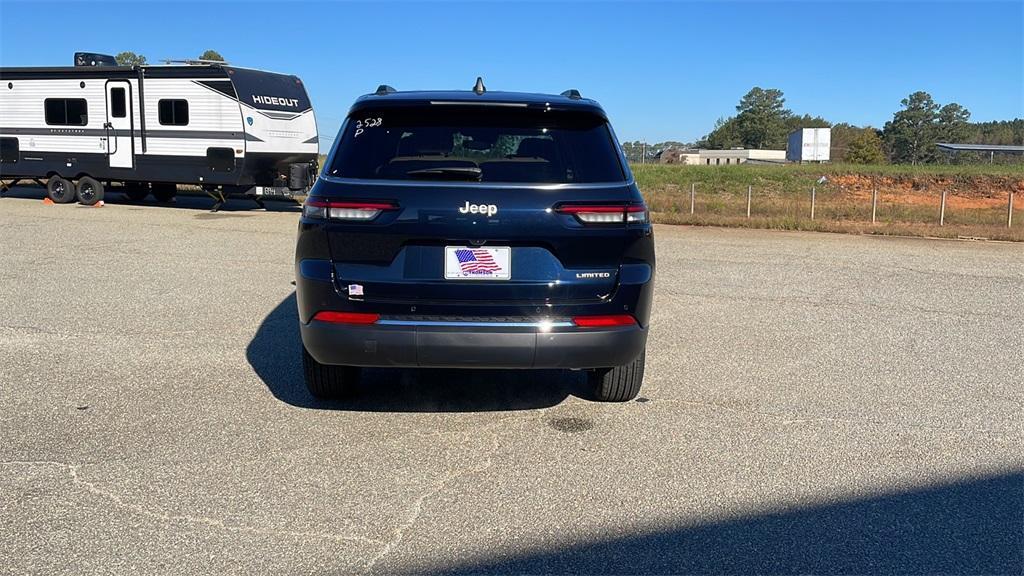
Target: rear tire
pixel 90 190
pixel 328 381
pixel 60 190
pixel 136 192
pixel 164 192
pixel 619 384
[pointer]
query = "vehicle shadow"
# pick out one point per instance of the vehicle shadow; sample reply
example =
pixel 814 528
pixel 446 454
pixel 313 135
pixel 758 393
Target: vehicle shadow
pixel 185 200
pixel 972 525
pixel 275 354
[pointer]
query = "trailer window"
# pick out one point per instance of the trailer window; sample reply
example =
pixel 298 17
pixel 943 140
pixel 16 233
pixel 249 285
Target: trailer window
pixel 66 111
pixel 118 107
pixel 173 112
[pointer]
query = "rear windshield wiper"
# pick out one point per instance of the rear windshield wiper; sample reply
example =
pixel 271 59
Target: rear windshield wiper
pixel 447 173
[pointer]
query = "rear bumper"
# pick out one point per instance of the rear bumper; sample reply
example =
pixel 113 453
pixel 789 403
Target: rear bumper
pixel 437 346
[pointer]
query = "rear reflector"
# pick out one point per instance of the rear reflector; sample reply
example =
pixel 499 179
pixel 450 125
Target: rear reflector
pixel 604 321
pixel 346 317
pixel 323 209
pixel 605 213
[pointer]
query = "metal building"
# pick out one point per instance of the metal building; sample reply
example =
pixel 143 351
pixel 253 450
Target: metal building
pixel 741 156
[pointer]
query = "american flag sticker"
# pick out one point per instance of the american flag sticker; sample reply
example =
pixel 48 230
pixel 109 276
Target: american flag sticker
pixel 466 263
pixel 355 289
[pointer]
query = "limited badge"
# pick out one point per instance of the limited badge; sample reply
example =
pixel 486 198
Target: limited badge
pixel 355 289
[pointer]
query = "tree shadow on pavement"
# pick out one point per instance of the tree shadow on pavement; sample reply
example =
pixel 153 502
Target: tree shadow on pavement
pixel 971 526
pixel 275 353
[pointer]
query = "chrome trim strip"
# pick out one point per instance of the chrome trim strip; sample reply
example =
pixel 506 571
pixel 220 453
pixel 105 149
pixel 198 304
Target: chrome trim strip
pixel 458 324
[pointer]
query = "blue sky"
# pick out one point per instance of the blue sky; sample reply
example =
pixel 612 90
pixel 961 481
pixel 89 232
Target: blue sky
pixel 662 70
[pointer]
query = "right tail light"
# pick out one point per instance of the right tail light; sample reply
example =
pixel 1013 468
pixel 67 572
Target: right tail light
pixel 605 213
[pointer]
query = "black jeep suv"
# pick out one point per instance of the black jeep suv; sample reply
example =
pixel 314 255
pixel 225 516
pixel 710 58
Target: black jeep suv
pixel 475 229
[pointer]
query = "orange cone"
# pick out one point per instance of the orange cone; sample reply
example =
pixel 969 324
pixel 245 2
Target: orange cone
pixel 47 201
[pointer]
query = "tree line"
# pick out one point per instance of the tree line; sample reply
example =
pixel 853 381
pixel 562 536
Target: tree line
pixel 132 59
pixel 762 121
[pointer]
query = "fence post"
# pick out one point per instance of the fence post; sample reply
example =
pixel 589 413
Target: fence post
pixel 874 203
pixel 693 190
pixel 813 193
pixel 942 209
pixel 1009 211
pixel 748 200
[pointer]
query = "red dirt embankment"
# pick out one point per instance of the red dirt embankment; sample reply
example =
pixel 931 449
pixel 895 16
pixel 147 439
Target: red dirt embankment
pixel 968 191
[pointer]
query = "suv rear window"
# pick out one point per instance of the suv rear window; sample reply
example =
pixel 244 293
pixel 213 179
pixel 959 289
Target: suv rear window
pixel 485 143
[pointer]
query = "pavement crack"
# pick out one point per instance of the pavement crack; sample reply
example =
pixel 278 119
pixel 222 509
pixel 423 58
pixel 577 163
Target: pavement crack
pixel 217 523
pixel 28 328
pixel 435 488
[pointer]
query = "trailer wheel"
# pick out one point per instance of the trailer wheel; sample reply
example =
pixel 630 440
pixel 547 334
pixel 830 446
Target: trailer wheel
pixel 60 190
pixel 90 190
pixel 164 192
pixel 136 192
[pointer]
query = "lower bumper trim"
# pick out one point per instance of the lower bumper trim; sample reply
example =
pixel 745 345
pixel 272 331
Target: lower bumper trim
pixel 455 345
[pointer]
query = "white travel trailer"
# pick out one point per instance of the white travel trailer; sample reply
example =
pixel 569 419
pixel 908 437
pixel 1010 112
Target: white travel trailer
pixel 146 129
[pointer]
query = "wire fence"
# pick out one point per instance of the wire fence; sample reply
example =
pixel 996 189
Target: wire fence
pixel 725 203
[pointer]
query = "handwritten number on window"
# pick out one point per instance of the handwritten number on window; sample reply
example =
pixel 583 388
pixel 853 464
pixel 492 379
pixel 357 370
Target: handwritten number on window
pixel 366 123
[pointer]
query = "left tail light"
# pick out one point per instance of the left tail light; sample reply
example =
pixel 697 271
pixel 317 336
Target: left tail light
pixel 605 213
pixel 335 210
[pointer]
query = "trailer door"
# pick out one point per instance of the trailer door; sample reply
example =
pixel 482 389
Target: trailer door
pixel 119 126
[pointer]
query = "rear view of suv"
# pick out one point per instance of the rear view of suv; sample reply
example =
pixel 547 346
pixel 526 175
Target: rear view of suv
pixel 475 229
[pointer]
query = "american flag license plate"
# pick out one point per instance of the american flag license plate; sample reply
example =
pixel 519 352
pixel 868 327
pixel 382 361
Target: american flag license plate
pixel 484 263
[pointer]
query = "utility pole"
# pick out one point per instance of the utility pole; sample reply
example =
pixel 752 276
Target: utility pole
pixel 643 154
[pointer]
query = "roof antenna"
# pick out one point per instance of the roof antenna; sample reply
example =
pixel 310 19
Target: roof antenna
pixel 479 88
pixel 384 90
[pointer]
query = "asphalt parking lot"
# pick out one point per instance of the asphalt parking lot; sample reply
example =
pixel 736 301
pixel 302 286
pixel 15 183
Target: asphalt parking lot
pixel 814 403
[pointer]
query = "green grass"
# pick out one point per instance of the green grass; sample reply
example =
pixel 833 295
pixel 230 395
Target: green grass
pixel 793 177
pixel 908 202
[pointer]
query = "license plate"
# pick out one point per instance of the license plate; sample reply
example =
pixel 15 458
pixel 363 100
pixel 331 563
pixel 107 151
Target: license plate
pixel 467 263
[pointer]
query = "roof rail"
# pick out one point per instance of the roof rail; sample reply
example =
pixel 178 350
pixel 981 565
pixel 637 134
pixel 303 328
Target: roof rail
pixel 384 90
pixel 194 62
pixel 573 94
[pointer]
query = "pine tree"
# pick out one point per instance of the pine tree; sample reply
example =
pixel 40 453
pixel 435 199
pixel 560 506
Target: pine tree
pixel 911 134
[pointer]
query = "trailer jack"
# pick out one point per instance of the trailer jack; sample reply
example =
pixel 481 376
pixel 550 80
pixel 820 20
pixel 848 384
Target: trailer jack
pixel 217 194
